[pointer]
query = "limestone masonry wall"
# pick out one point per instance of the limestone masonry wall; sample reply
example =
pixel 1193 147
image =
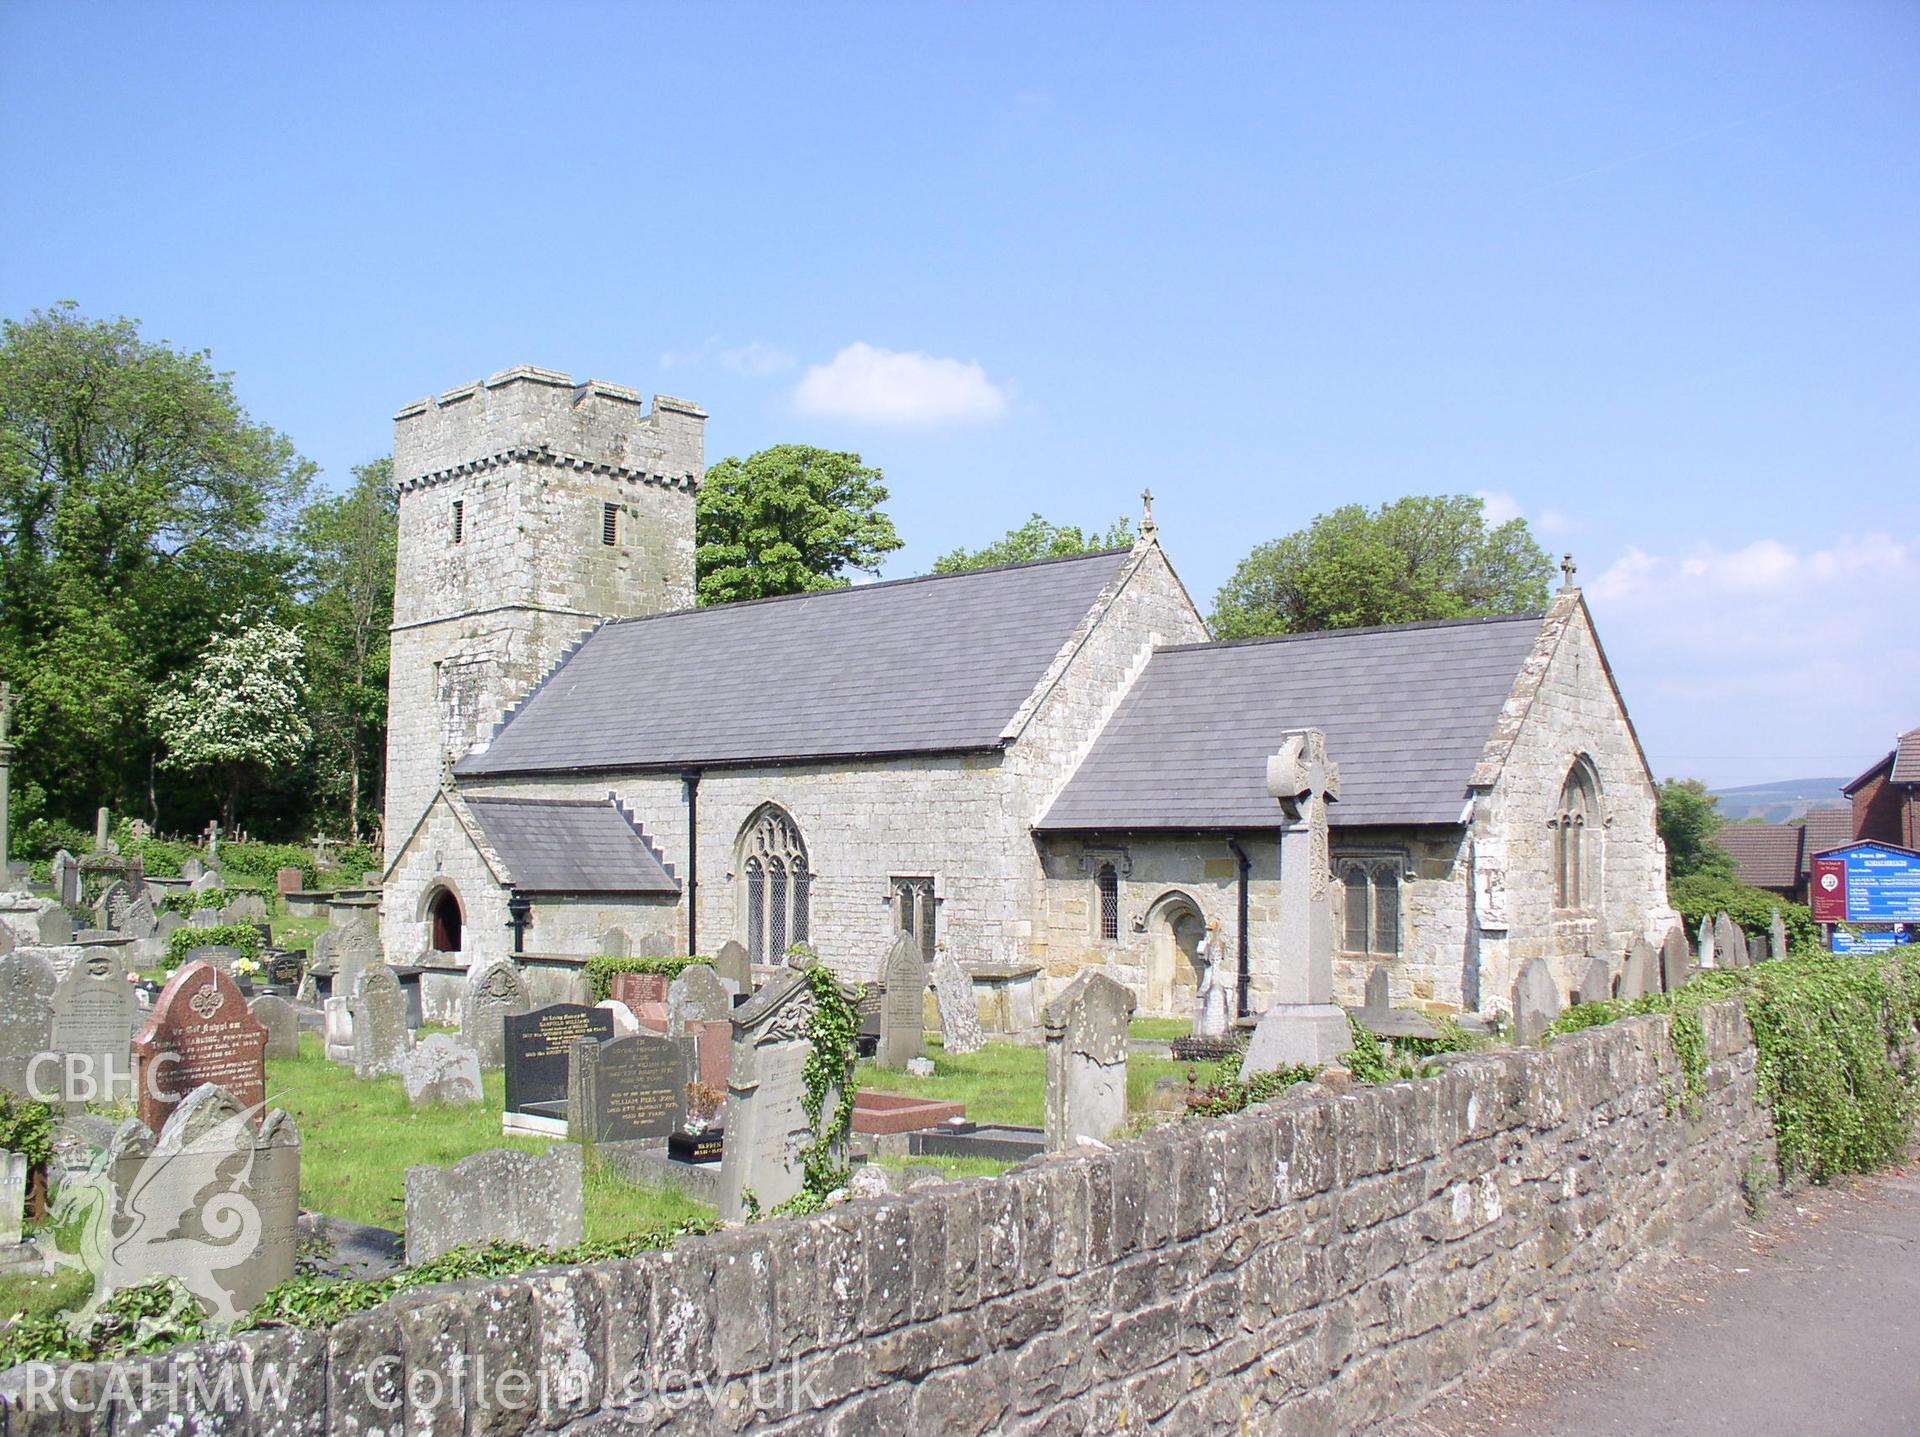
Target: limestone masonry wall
pixel 1309 1266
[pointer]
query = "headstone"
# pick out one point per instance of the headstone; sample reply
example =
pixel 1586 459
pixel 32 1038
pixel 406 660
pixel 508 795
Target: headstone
pixel 498 1194
pixel 1641 975
pixel 443 1069
pixel 1676 963
pixel 959 1014
pixel 286 968
pixel 734 967
pixel 204 918
pixel 289 880
pixel 94 1011
pixel 1706 944
pixel 920 1067
pixel 696 996
pixel 66 878
pixel 380 1038
pixel 625 1024
pixel 903 1004
pixel 494 993
pixel 655 945
pixel 1086 1028
pixel 200 1032
pixel 1379 997
pixel 355 926
pixel 1777 934
pixel 210 1201
pixel 221 955
pixel 1303 1024
pixel 1536 1001
pixel 205 883
pixel 141 919
pixel 244 908
pixel 282 1022
pixel 338 1018
pixel 538 1047
pixel 633 989
pixel 26 1019
pixel 629 1090
pixel 713 1043
pixel 614 943
pixel 101 842
pixel 1730 943
pixel 13 1197
pixel 191 869
pixel 1212 1009
pixel 113 904
pixel 768 1130
pixel 1596 982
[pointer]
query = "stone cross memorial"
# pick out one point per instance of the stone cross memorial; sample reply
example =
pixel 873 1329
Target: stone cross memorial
pixel 380 1039
pixel 514 1197
pixel 200 1032
pixel 631 1090
pixel 1086 1028
pixel 903 1004
pixel 94 1008
pixel 959 1013
pixel 767 1126
pixel 1302 1025
pixel 494 994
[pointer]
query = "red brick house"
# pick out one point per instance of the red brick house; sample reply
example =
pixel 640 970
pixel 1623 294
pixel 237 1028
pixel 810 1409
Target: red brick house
pixel 1778 856
pixel 1886 798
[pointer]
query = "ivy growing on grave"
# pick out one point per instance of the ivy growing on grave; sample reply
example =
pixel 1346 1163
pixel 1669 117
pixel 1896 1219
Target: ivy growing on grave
pixel 831 1036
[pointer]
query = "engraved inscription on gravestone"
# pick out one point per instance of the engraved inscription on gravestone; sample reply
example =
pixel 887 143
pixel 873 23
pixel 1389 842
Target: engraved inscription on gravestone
pixel 629 1090
pixel 94 1008
pixel 538 1046
pixel 200 1032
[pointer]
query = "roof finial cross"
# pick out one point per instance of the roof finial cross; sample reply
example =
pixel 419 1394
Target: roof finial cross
pixel 1147 525
pixel 1567 570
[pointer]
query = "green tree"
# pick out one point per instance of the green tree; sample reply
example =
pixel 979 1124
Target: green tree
pixel 240 713
pixel 1422 557
pixel 346 544
pixel 1689 819
pixel 788 520
pixel 138 501
pixel 1037 539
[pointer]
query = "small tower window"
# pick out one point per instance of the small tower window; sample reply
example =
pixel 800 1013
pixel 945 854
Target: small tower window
pixel 609 524
pixel 1107 883
pixel 459 520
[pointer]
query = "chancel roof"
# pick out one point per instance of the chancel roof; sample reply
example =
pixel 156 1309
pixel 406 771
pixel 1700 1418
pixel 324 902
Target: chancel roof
pixel 552 845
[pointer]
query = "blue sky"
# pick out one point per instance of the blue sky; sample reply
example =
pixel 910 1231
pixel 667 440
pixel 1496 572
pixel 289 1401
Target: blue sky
pixel 1645 274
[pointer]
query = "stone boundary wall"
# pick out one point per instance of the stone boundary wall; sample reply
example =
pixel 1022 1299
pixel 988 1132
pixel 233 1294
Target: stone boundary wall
pixel 1313 1265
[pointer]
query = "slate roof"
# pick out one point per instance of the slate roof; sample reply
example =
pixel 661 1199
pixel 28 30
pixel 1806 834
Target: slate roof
pixel 552 845
pixel 931 665
pixel 1406 710
pixel 1766 855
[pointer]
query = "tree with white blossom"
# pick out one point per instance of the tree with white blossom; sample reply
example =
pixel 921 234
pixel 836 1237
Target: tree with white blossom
pixel 240 713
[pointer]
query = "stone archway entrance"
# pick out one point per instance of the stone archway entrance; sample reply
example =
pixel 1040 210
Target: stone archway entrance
pixel 1174 961
pixel 444 911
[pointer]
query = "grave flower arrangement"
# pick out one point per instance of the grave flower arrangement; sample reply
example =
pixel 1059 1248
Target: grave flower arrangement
pixel 703 1101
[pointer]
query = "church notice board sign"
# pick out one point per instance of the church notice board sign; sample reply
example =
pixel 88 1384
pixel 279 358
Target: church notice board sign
pixel 1866 883
pixel 1874 940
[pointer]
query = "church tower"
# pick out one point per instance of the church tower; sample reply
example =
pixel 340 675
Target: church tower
pixel 531 507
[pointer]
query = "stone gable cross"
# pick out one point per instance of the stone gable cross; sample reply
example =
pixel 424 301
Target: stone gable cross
pixel 1147 524
pixel 1567 570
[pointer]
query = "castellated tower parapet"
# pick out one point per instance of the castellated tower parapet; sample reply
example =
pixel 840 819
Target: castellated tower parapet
pixel 531 507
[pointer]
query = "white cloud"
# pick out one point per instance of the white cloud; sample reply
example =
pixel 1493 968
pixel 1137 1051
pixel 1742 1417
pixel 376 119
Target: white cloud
pixel 887 386
pixel 756 358
pixel 1498 505
pixel 1554 521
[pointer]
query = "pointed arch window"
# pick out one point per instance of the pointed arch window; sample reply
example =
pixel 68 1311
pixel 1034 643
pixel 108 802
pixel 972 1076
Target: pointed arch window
pixel 1578 833
pixel 778 887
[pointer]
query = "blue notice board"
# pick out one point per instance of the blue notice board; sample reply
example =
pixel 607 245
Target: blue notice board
pixel 1872 942
pixel 1883 883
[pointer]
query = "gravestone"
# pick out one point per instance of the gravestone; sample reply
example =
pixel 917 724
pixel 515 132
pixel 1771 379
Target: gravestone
pixel 337 1014
pixel 282 1022
pixel 1536 1001
pixel 631 1090
pixel 113 904
pixel 244 908
pixel 636 989
pixel 27 986
pixel 1086 1028
pixel 867 1008
pixel 13 1197
pixel 1379 998
pixel 94 1011
pixel 1777 934
pixel 734 967
pixel 624 1022
pixel 696 996
pixel 355 926
pixel 191 869
pixel 141 919
pixel 380 1038
pixel 1596 982
pixel 959 1014
pixel 66 879
pixel 1706 944
pixel 206 883
pixel 209 1201
pixel 1641 975
pixel 614 943
pixel 286 969
pixel 1302 1024
pixel 1730 943
pixel 204 918
pixel 713 1044
pixel 200 1032
pixel 767 1125
pixel 221 955
pixel 538 1047
pixel 495 993
pixel 443 1070
pixel 288 880
pixel 1212 1008
pixel 514 1197
pixel 903 1004
pixel 1676 963
pixel 655 945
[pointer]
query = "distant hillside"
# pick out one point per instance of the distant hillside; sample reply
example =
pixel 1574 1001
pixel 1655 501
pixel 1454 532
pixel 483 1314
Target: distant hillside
pixel 1780 802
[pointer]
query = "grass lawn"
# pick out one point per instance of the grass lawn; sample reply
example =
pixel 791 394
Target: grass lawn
pixel 358 1138
pixel 1004 1082
pixel 1160 1029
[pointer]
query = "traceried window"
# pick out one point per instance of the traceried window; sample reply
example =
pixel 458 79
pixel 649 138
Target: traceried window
pixel 1106 885
pixel 779 885
pixel 1369 904
pixel 913 906
pixel 1578 832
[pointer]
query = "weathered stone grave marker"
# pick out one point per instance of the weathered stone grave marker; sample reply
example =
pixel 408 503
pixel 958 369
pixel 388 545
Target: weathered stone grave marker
pixel 629 1090
pixel 94 1010
pixel 767 1125
pixel 1536 1001
pixel 1777 933
pixel 624 1023
pixel 1676 963
pixel 1086 1028
pixel 494 994
pixel 959 1013
pixel 734 967
pixel 903 1004
pixel 614 943
pixel 1596 982
pixel 1730 943
pixel 538 1048
pixel 380 1039
pixel 696 996
pixel 200 1032
pixel 1641 975
pixel 338 1030
pixel 1707 954
pixel 13 1199
pixel 514 1197
pixel 282 1022
pixel 66 879
pixel 443 1070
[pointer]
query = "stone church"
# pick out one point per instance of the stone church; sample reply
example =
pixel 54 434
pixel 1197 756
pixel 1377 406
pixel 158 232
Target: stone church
pixel 1036 769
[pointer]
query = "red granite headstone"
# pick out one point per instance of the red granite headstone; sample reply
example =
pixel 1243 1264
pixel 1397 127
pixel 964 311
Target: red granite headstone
pixel 201 1031
pixel 714 1039
pixel 289 880
pixel 633 989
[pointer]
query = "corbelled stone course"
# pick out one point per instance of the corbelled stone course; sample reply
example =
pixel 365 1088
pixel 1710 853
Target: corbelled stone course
pixel 1314 1264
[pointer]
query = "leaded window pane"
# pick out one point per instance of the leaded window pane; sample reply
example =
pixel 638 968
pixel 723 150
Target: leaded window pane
pixel 756 911
pixel 926 920
pixel 1354 881
pixel 776 908
pixel 1109 885
pixel 802 901
pixel 1386 909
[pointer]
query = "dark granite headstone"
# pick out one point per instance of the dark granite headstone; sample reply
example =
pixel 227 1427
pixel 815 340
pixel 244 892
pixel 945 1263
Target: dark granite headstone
pixel 537 1046
pixel 629 1090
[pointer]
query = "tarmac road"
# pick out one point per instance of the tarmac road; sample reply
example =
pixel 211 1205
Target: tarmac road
pixel 1805 1322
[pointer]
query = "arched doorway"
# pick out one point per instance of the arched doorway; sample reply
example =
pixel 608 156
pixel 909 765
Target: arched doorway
pixel 443 912
pixel 1175 960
